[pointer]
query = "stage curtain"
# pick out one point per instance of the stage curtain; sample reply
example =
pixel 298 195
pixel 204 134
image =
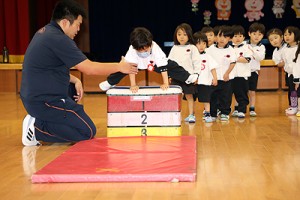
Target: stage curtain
pixel 14 24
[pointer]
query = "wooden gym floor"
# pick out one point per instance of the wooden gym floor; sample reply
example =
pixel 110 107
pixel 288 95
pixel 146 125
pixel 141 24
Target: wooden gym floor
pixel 255 158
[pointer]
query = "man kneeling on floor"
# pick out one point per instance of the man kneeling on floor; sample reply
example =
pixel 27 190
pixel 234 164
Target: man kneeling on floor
pixel 53 114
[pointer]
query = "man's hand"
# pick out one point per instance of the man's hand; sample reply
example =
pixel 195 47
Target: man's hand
pixel 79 91
pixel 127 68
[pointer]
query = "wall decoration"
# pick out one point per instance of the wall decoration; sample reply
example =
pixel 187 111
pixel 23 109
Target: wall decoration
pixel 207 15
pixel 278 8
pixel 223 8
pixel 296 7
pixel 253 8
pixel 195 5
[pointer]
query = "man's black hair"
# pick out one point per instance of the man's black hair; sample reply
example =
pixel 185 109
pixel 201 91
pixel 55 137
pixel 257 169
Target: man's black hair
pixel 68 9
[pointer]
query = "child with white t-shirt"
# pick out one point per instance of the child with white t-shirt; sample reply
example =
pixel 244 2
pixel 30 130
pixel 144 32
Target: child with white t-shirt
pixel 256 33
pixel 144 52
pixel 185 53
pixel 225 56
pixel 207 74
pixel 296 73
pixel 291 36
pixel 242 71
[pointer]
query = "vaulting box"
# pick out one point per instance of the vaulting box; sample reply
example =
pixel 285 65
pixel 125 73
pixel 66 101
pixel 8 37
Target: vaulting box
pixel 149 112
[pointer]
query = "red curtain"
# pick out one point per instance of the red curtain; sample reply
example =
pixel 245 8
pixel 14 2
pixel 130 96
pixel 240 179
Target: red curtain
pixel 14 23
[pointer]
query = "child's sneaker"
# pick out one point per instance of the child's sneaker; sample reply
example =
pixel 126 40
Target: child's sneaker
pixel 292 111
pixel 288 109
pixel 192 78
pixel 105 86
pixel 235 113
pixel 298 113
pixel 190 119
pixel 224 117
pixel 252 113
pixel 241 115
pixel 28 135
pixel 209 119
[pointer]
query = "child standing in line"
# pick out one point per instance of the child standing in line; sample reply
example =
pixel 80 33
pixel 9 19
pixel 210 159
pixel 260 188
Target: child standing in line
pixel 144 52
pixel 224 55
pixel 207 74
pixel 185 53
pixel 296 73
pixel 275 37
pixel 242 70
pixel 209 32
pixel 256 33
pixel 291 37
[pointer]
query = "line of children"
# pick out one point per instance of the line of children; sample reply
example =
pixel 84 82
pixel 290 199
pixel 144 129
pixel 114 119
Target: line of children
pixel 223 70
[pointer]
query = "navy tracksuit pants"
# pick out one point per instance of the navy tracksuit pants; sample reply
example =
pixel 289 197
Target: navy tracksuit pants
pixel 61 120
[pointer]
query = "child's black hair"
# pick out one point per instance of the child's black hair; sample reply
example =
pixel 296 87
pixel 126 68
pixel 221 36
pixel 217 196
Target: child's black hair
pixel 275 31
pixel 140 38
pixel 257 27
pixel 207 29
pixel 295 30
pixel 238 30
pixel 297 53
pixel 200 37
pixel 226 31
pixel 189 31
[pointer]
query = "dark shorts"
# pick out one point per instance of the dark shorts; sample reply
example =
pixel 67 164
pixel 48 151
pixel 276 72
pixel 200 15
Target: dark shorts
pixel 186 88
pixel 253 79
pixel 204 93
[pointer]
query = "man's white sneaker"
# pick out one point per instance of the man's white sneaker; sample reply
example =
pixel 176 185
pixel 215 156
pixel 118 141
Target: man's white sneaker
pixel 105 86
pixel 28 135
pixel 192 78
pixel 292 111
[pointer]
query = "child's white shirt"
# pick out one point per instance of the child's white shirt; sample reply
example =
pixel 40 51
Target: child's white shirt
pixel 259 52
pixel 204 69
pixel 243 69
pixel 224 57
pixel 157 57
pixel 186 56
pixel 277 54
pixel 296 68
pixel 288 55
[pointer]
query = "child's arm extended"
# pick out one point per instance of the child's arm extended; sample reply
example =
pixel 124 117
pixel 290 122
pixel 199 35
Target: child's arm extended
pixel 165 84
pixel 133 87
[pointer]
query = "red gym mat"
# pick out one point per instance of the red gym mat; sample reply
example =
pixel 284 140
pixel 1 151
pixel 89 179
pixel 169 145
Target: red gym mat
pixel 124 159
